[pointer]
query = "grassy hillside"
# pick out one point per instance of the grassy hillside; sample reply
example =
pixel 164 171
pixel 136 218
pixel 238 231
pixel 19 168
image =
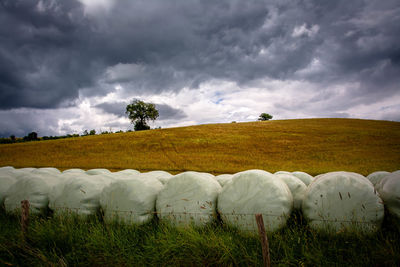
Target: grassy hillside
pixel 311 145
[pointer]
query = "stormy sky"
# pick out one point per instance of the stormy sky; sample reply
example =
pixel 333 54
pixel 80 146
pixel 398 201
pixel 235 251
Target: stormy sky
pixel 71 65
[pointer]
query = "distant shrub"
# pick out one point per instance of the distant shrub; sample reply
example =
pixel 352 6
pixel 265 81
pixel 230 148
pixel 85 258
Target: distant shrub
pixel 264 117
pixel 6 141
pixel 31 137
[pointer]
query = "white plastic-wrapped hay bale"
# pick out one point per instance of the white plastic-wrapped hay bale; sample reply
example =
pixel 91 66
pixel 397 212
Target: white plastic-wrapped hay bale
pixel 48 174
pixel 282 172
pixel 251 192
pixel 80 195
pixel 162 176
pixel 304 177
pixel 206 174
pixel 375 177
pixel 6 169
pixel 27 169
pixel 328 174
pixel 98 172
pixel 128 172
pixel 318 176
pixel 187 198
pixel 342 200
pixel 33 188
pixel 47 170
pixel 75 171
pixel 10 172
pixel 63 179
pixel 6 181
pixel 296 187
pixel 18 172
pixel 130 201
pixel 223 179
pixel 124 176
pixel 389 190
pixel 22 171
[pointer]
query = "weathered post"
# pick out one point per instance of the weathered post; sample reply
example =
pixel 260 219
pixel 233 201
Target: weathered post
pixel 24 217
pixel 264 240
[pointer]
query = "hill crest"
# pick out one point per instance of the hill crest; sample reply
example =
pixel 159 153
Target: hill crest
pixel 311 145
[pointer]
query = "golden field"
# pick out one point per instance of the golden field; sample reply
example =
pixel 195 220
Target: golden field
pixel 311 145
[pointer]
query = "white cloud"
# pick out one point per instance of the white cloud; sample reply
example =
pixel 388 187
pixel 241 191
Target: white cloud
pixel 94 7
pixel 302 30
pixel 124 72
pixel 216 101
pixel 387 109
pixel 315 67
pixel 220 101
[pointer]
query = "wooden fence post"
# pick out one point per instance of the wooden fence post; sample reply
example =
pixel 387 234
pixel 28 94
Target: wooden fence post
pixel 24 217
pixel 264 240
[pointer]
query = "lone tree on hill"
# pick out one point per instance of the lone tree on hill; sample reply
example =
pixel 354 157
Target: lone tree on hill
pixel 264 117
pixel 140 112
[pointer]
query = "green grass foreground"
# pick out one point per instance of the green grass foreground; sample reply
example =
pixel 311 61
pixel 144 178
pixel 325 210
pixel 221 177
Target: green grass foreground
pixel 71 241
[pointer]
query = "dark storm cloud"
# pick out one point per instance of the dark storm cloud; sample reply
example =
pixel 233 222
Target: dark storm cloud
pixel 23 121
pixel 361 45
pixel 169 113
pixel 165 111
pixel 40 53
pixel 52 50
pixel 116 108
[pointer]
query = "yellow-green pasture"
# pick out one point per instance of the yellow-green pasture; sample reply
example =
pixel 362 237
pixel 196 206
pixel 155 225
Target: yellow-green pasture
pixel 311 145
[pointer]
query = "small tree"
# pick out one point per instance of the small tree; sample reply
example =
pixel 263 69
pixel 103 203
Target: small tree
pixel 31 137
pixel 140 112
pixel 264 117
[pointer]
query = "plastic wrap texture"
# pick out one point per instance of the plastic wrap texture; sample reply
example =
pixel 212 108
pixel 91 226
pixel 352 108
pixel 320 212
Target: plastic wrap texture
pixel 339 200
pixel 188 198
pixel 251 192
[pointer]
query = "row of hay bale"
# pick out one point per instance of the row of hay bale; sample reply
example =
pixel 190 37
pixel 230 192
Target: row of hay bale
pixel 331 201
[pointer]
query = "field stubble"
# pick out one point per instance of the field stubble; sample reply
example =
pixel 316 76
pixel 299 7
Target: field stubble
pixel 311 145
